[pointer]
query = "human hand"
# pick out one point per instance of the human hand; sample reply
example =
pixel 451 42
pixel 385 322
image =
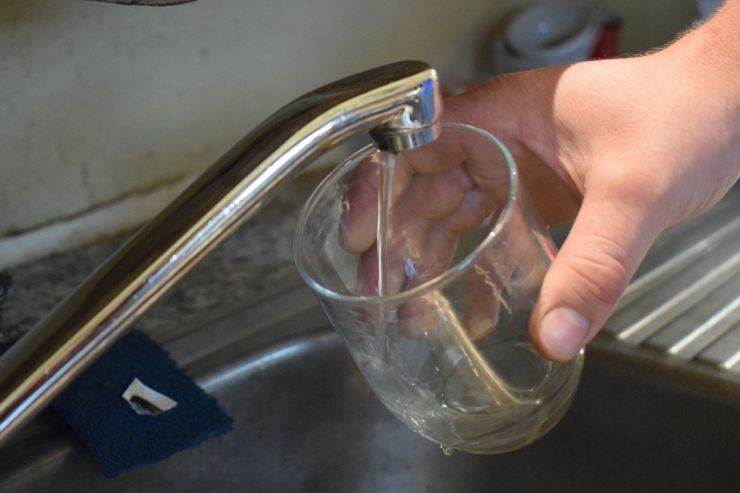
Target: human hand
pixel 627 147
pixel 644 143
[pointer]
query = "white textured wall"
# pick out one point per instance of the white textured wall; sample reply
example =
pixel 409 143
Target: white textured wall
pixel 99 101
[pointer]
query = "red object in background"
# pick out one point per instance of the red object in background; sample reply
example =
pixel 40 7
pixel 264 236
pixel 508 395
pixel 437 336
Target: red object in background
pixel 607 44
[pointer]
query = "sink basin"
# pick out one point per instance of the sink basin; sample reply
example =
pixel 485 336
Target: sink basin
pixel 307 421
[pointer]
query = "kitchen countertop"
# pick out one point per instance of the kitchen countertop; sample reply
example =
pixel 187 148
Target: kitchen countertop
pixel 258 255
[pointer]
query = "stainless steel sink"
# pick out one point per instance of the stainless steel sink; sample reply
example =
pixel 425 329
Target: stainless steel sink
pixel 307 421
pixel 643 420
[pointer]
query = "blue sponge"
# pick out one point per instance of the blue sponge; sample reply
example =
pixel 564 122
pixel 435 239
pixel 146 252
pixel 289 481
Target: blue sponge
pixel 120 438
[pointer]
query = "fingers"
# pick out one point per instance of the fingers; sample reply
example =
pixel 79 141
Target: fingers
pixel 609 239
pixel 434 189
pixel 421 239
pixel 439 172
pixel 359 219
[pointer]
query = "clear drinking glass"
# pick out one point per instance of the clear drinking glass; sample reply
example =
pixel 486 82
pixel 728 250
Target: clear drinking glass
pixel 433 301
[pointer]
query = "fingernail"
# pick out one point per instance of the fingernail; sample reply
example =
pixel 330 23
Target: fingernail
pixel 564 332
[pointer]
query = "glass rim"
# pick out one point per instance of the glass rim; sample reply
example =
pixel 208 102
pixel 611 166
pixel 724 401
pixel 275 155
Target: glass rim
pixel 451 272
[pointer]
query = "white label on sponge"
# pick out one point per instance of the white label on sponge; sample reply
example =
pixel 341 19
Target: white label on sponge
pixel 146 401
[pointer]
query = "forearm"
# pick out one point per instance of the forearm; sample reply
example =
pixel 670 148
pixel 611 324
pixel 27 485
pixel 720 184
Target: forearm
pixel 714 46
pixel 708 58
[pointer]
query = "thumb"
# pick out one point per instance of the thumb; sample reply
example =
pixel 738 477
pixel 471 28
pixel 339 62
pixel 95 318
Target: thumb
pixel 609 239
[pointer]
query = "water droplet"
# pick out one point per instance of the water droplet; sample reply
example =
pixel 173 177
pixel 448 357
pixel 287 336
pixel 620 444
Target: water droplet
pixel 447 450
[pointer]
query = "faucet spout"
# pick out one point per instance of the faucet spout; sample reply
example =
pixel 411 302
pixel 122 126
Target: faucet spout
pixel 399 104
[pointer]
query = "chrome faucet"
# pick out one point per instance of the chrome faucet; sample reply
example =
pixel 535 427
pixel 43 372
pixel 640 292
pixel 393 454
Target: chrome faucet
pixel 399 104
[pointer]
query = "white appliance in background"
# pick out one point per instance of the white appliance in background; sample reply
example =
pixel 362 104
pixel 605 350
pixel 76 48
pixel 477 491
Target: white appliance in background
pixel 555 33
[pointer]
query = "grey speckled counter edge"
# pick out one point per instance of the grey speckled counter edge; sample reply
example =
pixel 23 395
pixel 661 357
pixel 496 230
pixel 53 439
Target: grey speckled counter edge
pixel 257 256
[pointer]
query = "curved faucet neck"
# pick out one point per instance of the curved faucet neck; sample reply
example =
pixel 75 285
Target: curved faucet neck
pixel 398 104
